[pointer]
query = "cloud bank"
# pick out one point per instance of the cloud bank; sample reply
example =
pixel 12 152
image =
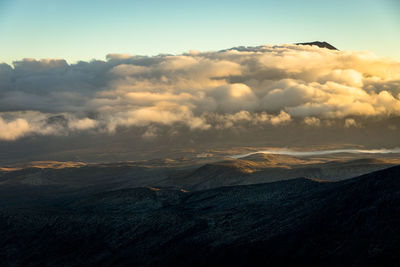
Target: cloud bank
pixel 262 86
pixel 320 152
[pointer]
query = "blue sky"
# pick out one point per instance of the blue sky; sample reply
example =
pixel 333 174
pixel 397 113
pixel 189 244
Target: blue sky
pixel 83 30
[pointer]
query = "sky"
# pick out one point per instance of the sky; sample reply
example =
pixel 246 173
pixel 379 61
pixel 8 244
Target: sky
pixel 84 30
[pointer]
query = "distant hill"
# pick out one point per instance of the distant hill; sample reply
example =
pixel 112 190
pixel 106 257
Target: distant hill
pixel 320 44
pixel 253 169
pixel 262 168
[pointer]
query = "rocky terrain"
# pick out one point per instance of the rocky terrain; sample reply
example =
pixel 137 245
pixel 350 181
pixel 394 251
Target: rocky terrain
pixel 98 216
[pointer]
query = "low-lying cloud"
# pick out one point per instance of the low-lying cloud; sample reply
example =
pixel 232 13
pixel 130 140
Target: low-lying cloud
pixel 266 85
pixel 320 152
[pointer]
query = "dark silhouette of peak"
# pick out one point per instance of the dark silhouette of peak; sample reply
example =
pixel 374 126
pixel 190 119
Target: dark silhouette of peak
pixel 320 44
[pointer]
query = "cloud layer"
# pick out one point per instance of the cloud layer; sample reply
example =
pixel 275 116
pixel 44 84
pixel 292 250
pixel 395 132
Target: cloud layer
pixel 259 86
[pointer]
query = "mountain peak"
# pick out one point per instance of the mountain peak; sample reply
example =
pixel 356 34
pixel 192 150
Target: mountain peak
pixel 320 44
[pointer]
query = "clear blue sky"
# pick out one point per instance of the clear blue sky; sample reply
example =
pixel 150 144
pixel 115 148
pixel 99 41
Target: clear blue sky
pixel 83 30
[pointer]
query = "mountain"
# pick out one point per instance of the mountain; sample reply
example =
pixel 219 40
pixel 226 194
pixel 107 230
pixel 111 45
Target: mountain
pixel 263 168
pixel 320 44
pixel 297 222
pixel 186 174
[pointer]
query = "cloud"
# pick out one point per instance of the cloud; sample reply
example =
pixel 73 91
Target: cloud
pixel 82 124
pixel 15 125
pixel 14 129
pixel 351 123
pixel 312 121
pixel 231 120
pixel 261 86
pixel 320 152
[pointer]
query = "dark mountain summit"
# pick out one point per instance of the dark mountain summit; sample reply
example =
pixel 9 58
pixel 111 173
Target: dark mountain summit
pixel 264 49
pixel 320 44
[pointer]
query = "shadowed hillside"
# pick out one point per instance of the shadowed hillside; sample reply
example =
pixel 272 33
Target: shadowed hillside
pixel 186 174
pixel 298 222
pixel 262 168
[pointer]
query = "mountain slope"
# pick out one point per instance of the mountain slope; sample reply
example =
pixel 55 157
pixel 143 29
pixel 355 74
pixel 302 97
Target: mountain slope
pixel 263 168
pixel 253 169
pixel 298 222
pixel 320 44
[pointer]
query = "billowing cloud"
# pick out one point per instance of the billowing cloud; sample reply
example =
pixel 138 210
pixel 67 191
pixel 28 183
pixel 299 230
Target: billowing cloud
pixel 262 86
pixel 351 123
pixel 13 129
pixel 312 121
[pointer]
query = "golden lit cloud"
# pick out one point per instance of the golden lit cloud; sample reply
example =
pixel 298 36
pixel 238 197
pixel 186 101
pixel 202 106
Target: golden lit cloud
pixel 266 85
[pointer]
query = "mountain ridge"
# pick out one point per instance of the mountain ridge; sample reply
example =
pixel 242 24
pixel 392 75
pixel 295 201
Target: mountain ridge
pixel 319 44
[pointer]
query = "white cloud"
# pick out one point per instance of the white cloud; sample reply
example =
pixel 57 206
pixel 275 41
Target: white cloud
pixel 13 129
pixel 312 121
pixel 82 124
pixel 351 123
pixel 266 85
